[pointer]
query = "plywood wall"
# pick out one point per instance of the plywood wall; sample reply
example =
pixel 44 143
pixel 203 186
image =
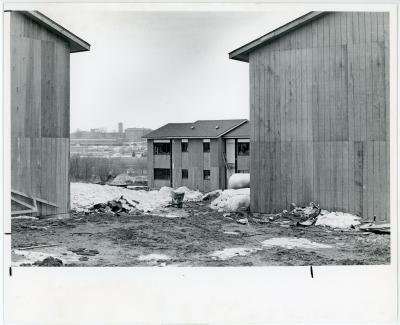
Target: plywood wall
pixel 319 114
pixel 39 114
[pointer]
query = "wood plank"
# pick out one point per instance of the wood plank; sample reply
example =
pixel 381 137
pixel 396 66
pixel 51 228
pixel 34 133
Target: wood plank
pixel 387 72
pixel 253 163
pixel 369 192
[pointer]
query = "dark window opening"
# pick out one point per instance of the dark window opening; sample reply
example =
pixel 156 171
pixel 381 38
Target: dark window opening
pixel 184 146
pixel 243 171
pixel 162 148
pixel 185 174
pixel 243 149
pixel 162 173
pixel 206 174
pixel 206 146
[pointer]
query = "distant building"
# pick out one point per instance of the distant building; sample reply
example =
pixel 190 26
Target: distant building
pixel 135 134
pixel 120 128
pixel 199 155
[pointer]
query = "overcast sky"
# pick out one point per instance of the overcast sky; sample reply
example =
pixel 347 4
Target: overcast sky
pixel 146 69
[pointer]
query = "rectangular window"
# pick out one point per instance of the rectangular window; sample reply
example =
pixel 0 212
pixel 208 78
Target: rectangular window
pixel 206 174
pixel 243 171
pixel 162 173
pixel 184 146
pixel 185 174
pixel 206 146
pixel 243 149
pixel 163 148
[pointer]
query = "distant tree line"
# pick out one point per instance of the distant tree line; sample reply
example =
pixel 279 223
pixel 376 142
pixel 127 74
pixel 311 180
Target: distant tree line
pixel 97 169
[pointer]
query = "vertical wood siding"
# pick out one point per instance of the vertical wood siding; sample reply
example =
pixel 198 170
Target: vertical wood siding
pixel 39 114
pixel 319 111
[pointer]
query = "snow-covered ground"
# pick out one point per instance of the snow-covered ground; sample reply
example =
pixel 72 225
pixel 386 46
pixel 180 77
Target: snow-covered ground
pixel 290 243
pixel 84 196
pixel 227 253
pixel 337 219
pixel 232 200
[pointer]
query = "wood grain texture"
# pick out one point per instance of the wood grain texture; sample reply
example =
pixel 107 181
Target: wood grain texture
pixel 40 114
pixel 319 116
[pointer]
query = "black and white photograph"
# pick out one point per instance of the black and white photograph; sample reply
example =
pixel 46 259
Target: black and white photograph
pixel 198 138
pixel 159 152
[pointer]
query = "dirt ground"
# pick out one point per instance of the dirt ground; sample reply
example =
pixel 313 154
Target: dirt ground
pixel 191 239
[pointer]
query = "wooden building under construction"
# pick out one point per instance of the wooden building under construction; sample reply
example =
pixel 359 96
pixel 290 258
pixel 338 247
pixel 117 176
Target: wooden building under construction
pixel 39 90
pixel 200 155
pixel 319 113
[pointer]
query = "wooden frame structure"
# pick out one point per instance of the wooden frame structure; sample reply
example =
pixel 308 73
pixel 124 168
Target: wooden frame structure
pixel 38 68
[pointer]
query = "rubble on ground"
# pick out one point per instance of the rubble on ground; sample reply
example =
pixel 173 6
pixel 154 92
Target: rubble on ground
pixel 376 228
pixel 85 196
pixel 85 251
pixel 211 196
pixel 49 261
pixel 121 205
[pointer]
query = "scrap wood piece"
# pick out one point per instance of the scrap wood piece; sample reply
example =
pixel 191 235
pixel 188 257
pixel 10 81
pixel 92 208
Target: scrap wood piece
pixel 32 247
pixel 377 229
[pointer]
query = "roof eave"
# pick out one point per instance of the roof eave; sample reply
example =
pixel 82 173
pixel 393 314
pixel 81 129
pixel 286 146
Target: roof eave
pixel 76 43
pixel 242 53
pixel 180 137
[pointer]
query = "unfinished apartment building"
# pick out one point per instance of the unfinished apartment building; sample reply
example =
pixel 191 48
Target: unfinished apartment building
pixel 200 155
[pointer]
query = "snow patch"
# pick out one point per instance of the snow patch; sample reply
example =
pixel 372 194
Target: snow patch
pixel 123 179
pixel 154 257
pixel 24 256
pixel 227 253
pixel 232 200
pixel 189 194
pixel 337 219
pixel 237 181
pixel 84 196
pixel 25 217
pixel 291 243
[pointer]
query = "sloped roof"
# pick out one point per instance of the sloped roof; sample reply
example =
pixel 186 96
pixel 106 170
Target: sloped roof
pixel 76 43
pixel 198 129
pixel 242 53
pixel 241 132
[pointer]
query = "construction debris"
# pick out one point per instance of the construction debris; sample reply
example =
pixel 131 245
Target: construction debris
pixel 243 221
pixel 121 205
pixel 85 251
pixel 177 198
pixel 377 229
pixel 49 261
pixel 211 196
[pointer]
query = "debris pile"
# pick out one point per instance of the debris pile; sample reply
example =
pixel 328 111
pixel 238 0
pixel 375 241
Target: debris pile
pixel 49 261
pixel 120 205
pixel 307 215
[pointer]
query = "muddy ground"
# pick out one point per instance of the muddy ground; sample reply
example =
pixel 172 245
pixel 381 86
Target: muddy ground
pixel 98 239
